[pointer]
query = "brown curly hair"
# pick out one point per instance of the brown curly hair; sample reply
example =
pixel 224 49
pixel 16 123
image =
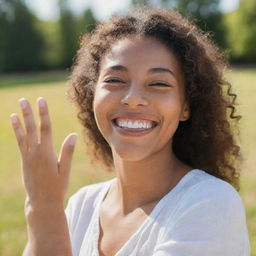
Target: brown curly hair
pixel 207 140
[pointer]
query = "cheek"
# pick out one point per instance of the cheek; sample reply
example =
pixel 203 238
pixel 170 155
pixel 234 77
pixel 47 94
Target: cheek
pixel 171 106
pixel 100 100
pixel 103 105
pixel 103 101
pixel 171 109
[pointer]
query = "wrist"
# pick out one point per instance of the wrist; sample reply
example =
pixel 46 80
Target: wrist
pixel 39 213
pixel 48 234
pixel 41 208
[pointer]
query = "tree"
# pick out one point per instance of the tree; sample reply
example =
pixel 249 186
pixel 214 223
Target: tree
pixel 68 34
pixel 71 27
pixel 3 42
pixel 247 30
pixel 205 13
pixel 88 21
pixel 21 43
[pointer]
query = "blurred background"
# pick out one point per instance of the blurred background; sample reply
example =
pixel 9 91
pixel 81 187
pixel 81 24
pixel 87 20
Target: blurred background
pixel 38 41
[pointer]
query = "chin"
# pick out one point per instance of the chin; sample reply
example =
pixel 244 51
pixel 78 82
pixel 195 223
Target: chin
pixel 130 154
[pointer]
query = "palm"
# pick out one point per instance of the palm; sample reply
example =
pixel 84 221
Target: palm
pixel 45 175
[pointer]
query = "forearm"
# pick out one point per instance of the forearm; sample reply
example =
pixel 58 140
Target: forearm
pixel 48 234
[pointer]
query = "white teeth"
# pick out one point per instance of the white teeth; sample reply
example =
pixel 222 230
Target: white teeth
pixel 134 124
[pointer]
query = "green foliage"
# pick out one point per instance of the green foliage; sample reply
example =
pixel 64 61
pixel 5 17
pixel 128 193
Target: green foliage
pixel 68 34
pixel 205 13
pixel 242 32
pixel 248 29
pixel 51 55
pixel 71 27
pixel 87 22
pixel 234 41
pixel 21 44
pixel 27 43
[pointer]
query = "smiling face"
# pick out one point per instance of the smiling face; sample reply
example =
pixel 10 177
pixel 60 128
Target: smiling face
pixel 139 98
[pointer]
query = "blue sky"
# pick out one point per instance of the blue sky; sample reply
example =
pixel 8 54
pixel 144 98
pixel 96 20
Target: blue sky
pixel 47 9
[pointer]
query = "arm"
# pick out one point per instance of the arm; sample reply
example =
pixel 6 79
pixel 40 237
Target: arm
pixel 48 234
pixel 45 178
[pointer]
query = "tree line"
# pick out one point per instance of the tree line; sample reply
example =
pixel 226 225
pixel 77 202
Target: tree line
pixel 27 43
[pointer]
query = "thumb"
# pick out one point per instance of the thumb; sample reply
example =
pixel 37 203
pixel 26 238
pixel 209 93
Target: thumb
pixel 66 153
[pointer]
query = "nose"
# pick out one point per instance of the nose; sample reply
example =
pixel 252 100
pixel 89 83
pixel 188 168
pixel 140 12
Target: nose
pixel 135 96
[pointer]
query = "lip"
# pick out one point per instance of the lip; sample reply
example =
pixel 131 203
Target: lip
pixel 134 132
pixel 136 116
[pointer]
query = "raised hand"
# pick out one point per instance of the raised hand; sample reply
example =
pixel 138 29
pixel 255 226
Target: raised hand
pixel 46 178
pixel 45 175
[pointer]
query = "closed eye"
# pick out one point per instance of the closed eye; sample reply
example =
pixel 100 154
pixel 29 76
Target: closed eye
pixel 113 81
pixel 160 84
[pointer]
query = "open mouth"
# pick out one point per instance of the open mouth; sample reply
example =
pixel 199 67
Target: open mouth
pixel 134 124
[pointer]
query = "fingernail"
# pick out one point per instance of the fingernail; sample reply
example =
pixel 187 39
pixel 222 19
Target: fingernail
pixel 72 140
pixel 14 119
pixel 41 102
pixel 23 103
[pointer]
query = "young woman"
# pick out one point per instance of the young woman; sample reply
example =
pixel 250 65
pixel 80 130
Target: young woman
pixel 152 100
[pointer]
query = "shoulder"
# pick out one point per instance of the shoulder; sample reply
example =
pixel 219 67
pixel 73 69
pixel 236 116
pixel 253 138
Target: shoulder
pixel 209 212
pixel 208 201
pixel 209 195
pixel 203 187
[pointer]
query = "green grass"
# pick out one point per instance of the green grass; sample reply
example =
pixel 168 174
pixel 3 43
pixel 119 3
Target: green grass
pixel 7 80
pixel 12 195
pixel 244 81
pixel 12 223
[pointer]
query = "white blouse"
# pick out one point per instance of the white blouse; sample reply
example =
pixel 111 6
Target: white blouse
pixel 201 216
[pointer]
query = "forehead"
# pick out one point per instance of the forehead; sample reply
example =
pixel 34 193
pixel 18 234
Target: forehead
pixel 142 52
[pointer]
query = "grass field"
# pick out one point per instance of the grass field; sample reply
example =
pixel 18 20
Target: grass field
pixel 12 222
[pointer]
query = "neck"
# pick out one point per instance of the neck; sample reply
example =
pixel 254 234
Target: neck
pixel 145 181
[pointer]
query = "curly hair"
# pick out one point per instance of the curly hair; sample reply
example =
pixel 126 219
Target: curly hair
pixel 207 140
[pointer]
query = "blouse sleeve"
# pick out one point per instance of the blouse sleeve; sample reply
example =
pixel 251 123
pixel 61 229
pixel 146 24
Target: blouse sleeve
pixel 210 220
pixel 69 212
pixel 73 208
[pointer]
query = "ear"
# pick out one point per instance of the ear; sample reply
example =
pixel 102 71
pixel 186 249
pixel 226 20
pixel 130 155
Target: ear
pixel 185 112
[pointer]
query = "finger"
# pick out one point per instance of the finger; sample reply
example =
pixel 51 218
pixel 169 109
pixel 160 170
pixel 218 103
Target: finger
pixel 29 121
pixel 19 133
pixel 45 123
pixel 66 153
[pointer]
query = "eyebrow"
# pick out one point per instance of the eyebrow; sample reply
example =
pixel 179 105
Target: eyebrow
pixel 161 70
pixel 118 68
pixel 151 70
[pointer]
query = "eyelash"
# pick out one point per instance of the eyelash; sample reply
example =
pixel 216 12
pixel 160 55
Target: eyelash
pixel 161 84
pixel 154 84
pixel 113 81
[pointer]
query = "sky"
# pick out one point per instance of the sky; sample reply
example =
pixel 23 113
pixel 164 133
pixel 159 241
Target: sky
pixel 48 10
